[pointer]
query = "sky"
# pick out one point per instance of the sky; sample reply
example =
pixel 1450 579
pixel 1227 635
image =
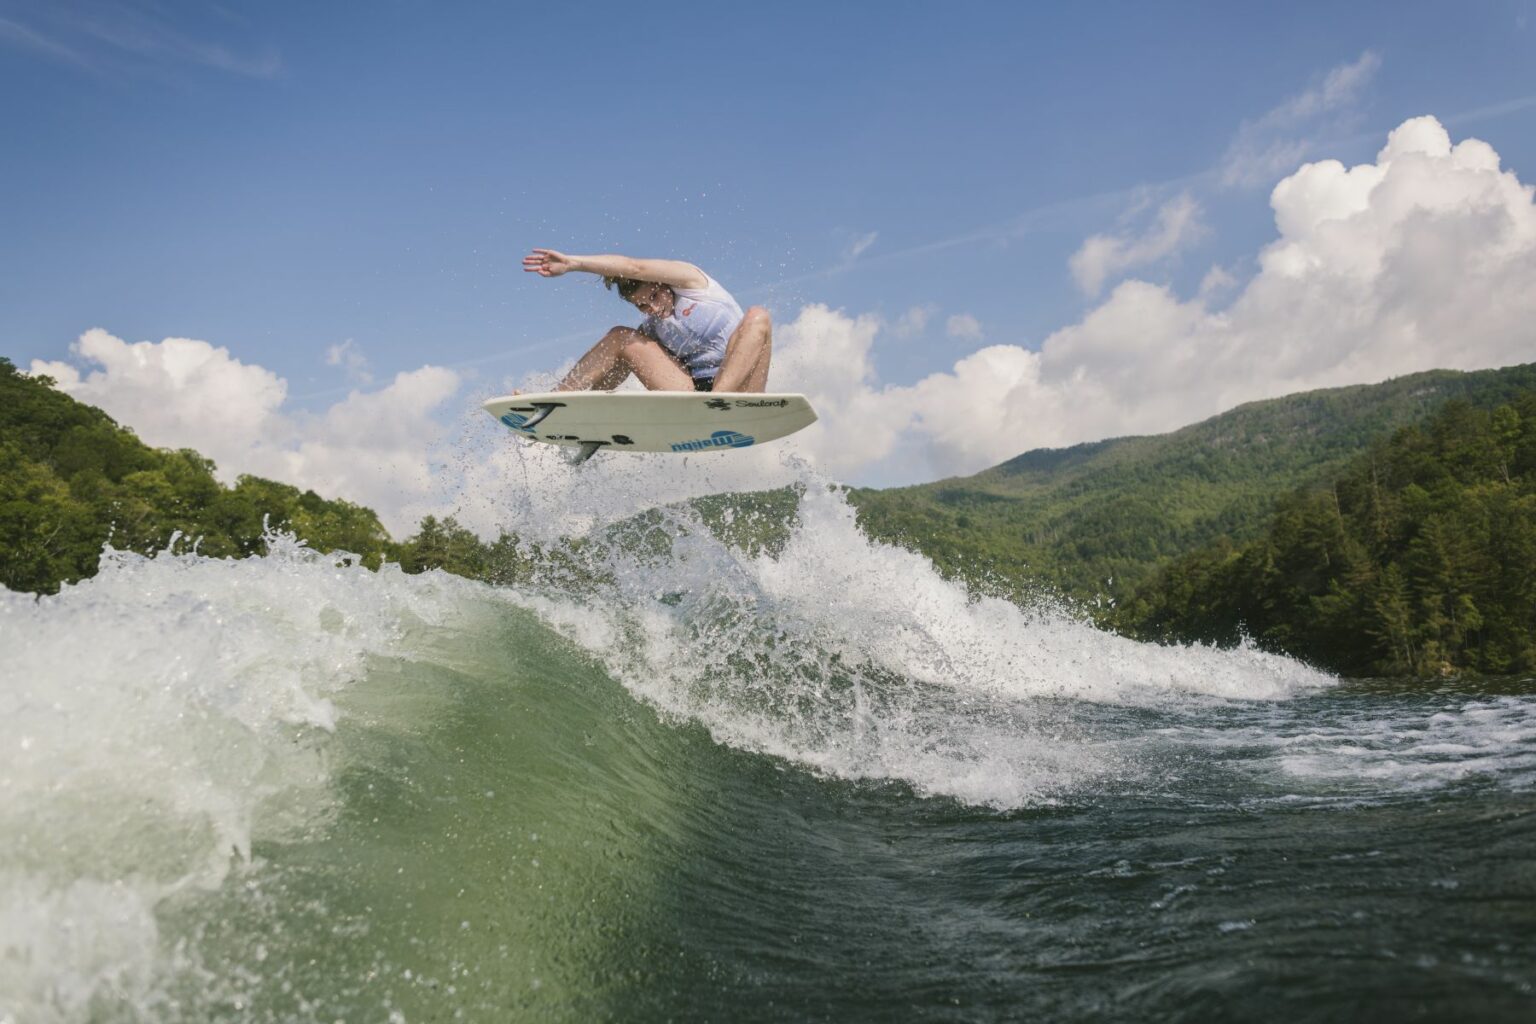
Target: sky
pixel 289 234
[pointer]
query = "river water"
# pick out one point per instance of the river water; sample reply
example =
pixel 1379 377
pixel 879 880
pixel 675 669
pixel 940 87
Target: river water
pixel 703 783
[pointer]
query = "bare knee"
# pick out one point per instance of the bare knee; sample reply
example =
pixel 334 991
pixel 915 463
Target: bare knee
pixel 757 316
pixel 624 339
pixel 632 343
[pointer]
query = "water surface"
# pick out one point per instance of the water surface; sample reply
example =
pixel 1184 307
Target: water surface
pixel 819 783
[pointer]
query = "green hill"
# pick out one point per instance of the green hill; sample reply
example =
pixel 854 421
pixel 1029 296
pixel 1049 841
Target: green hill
pixel 1418 558
pixel 1387 529
pixel 1096 521
pixel 72 479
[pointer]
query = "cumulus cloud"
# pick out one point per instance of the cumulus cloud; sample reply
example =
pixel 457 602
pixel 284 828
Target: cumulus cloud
pixel 1423 258
pixel 175 393
pixel 1101 257
pixel 1217 281
pixel 1274 143
pixel 372 448
pixel 826 354
pixel 375 448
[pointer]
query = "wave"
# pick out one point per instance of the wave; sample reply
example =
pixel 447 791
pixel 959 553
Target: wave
pixel 213 762
pixel 859 660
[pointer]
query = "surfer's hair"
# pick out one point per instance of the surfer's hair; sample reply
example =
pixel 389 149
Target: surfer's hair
pixel 627 286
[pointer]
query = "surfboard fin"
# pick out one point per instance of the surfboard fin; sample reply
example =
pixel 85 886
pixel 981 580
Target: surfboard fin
pixel 541 410
pixel 588 449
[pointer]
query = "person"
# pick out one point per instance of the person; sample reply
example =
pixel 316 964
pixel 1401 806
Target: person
pixel 695 337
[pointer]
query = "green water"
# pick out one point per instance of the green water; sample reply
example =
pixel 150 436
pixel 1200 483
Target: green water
pixel 543 847
pixel 286 790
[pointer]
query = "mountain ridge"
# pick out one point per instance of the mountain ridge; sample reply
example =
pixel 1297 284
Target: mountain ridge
pixel 1093 521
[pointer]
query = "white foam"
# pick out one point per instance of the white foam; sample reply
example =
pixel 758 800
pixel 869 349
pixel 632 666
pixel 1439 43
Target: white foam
pixel 1360 747
pixel 65 945
pixel 157 718
pixel 857 659
pixel 1474 738
pixel 151 719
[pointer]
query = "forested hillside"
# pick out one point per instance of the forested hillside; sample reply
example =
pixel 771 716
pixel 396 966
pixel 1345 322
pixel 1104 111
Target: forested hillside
pixel 1318 524
pixel 72 480
pixel 1096 521
pixel 1418 558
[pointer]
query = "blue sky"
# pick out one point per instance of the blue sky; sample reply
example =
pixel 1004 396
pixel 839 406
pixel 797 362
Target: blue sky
pixel 283 178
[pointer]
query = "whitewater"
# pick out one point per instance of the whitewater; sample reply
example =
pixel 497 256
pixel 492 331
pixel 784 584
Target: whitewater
pixel 805 779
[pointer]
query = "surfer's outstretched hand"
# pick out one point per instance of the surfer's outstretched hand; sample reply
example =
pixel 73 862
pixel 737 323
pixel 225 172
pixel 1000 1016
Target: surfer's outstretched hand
pixel 548 263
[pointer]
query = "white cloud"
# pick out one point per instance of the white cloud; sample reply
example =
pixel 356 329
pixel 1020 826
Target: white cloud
pixel 1424 258
pixel 175 393
pixel 1217 281
pixel 349 355
pixel 1274 143
pixel 858 245
pixel 914 321
pixel 826 355
pixel 375 448
pixel 372 448
pixel 1102 257
pixel 964 327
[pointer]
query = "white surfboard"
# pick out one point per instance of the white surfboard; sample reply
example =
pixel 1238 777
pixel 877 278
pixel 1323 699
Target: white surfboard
pixel 681 422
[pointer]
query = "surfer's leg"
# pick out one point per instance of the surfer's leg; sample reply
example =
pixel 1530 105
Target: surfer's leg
pixel 654 365
pixel 623 351
pixel 745 364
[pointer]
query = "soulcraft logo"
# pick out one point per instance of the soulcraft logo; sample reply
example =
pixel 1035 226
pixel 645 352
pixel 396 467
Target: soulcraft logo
pixel 515 421
pixel 719 439
pixel 748 403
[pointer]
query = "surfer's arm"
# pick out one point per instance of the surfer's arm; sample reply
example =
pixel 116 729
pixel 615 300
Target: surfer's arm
pixel 675 273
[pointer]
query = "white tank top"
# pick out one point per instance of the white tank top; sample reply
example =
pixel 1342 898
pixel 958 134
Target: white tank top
pixel 701 323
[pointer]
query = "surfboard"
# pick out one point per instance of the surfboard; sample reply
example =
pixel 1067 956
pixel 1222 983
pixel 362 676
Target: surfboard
pixel 672 422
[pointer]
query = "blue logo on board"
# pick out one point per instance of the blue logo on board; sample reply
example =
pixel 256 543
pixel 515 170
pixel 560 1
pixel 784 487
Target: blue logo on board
pixel 515 421
pixel 719 439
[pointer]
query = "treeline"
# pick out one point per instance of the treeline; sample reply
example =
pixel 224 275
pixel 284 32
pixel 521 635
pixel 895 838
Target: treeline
pixel 72 480
pixel 1418 559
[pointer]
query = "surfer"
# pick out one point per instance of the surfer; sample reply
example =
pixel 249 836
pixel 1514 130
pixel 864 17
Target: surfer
pixel 694 337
